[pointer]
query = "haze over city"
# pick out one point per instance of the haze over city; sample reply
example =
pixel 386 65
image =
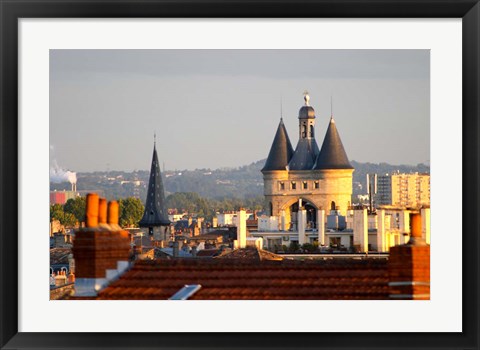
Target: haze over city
pixel 220 108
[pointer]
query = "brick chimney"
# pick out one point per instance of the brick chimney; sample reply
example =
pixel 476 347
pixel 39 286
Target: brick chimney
pixel 101 249
pixel 409 266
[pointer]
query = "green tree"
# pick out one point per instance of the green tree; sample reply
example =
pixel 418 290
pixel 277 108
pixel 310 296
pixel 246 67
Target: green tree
pixel 57 213
pixel 308 248
pixel 294 247
pixel 130 211
pixel 76 207
pixel 68 220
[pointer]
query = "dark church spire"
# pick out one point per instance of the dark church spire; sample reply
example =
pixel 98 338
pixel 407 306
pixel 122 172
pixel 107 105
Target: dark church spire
pixel 281 150
pixel 332 155
pixel 155 211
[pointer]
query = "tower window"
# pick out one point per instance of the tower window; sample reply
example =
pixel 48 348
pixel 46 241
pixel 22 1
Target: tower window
pixel 305 185
pixel 311 130
pixel 294 185
pixel 304 131
pixel 282 186
pixel 316 185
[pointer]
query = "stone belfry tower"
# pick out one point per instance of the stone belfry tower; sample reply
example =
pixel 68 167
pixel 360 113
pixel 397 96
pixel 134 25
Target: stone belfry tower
pixel 155 217
pixel 307 149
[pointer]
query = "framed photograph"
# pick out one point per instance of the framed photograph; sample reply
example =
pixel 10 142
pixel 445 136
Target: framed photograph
pixel 327 246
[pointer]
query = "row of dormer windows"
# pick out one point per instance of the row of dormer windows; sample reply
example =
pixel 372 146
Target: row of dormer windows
pixel 294 185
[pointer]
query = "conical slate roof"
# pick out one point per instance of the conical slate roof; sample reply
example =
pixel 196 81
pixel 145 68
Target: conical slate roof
pixel 332 155
pixel 155 211
pixel 305 155
pixel 281 150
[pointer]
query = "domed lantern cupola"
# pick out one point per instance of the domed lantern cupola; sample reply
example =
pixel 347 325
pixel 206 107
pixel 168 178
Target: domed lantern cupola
pixel 306 119
pixel 307 148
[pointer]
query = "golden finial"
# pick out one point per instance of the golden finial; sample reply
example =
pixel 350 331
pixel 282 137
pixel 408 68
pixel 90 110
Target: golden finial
pixel 306 97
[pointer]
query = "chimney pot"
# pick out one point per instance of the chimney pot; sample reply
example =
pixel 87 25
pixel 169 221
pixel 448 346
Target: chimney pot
pixel 71 277
pixel 102 211
pixel 416 223
pixel 416 230
pixel 91 211
pixel 113 213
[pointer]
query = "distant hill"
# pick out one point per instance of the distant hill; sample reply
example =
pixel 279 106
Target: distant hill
pixel 242 182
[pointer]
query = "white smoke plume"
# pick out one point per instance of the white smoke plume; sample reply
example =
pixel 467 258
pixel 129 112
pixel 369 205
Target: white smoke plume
pixel 58 174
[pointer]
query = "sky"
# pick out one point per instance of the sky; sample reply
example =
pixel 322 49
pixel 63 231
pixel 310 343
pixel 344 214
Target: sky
pixel 213 109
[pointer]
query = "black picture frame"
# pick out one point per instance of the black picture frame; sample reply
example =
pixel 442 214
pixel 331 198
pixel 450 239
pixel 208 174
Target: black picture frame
pixel 11 11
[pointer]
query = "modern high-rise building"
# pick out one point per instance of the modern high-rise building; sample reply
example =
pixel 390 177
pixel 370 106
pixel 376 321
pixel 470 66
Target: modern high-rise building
pixel 310 178
pixel 403 190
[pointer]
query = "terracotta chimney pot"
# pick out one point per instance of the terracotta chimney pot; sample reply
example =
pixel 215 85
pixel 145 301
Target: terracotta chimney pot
pixel 102 211
pixel 91 211
pixel 416 230
pixel 113 213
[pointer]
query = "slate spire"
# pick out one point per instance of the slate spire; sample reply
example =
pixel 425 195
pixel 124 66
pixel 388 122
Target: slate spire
pixel 155 211
pixel 281 150
pixel 332 154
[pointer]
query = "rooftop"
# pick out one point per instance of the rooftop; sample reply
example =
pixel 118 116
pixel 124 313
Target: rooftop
pixel 59 255
pixel 249 279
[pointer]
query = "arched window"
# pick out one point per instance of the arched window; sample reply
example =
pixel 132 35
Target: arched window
pixel 271 208
pixel 304 131
pixel 332 205
pixel 311 131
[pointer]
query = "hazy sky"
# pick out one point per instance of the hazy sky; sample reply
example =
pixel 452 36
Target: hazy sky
pixel 221 108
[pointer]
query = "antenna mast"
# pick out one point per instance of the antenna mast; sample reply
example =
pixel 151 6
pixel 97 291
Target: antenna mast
pixel 331 106
pixel 281 107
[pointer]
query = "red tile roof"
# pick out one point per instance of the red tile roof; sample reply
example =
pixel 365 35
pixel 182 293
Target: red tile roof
pixel 207 252
pixel 59 255
pixel 253 279
pixel 250 253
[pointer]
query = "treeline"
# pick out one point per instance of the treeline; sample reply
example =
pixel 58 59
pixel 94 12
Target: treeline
pixel 243 182
pixel 131 209
pixel 72 213
pixel 192 202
